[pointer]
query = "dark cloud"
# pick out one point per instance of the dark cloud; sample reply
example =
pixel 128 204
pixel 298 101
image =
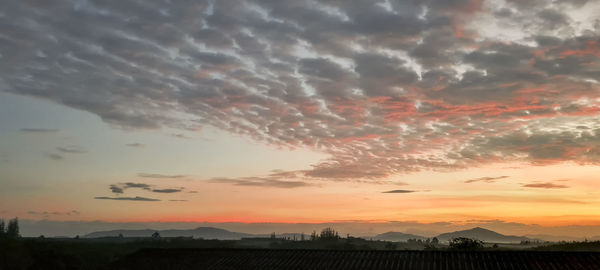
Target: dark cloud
pixel 167 190
pixel 382 89
pixel 155 175
pixel 548 185
pixel 120 188
pixel 178 200
pixel 486 179
pixel 38 130
pixel 136 185
pixel 116 189
pixel 399 191
pixel 136 198
pixel 553 18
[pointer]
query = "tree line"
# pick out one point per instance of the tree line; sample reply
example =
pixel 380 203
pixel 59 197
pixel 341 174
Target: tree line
pixel 10 230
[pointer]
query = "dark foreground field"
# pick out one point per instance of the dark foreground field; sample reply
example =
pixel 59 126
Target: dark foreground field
pixel 265 253
pixel 355 259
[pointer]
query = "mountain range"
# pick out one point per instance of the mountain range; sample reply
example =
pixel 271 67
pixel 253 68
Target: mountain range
pixel 221 234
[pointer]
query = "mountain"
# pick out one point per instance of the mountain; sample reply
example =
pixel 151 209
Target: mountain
pixel 200 232
pixel 482 234
pixel 396 236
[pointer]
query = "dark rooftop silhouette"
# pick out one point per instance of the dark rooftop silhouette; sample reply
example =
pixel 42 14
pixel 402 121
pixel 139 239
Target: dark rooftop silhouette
pixel 355 259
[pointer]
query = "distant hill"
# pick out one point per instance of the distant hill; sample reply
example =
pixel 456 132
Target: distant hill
pixel 555 238
pixel 200 232
pixel 396 236
pixel 483 235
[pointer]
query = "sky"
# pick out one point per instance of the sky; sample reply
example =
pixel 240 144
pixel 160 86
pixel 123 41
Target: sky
pixel 421 116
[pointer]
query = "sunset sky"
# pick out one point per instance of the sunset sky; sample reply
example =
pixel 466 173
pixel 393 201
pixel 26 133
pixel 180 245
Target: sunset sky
pixel 440 113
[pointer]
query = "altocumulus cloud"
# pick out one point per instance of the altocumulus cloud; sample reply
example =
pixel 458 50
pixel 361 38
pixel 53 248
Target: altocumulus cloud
pixel 384 89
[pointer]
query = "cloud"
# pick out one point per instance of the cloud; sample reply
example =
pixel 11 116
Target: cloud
pixel 178 200
pixel 547 185
pixel 120 188
pixel 116 189
pixel 167 190
pixel 136 198
pixel 73 149
pixel 136 185
pixel 154 175
pixel 180 136
pixel 38 130
pixel 259 182
pixel 135 145
pixel 382 89
pixel 54 213
pixel 399 191
pixel 486 179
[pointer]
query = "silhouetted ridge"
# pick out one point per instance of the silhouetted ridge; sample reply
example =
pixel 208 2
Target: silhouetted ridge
pixel 397 236
pixel 483 235
pixel 200 232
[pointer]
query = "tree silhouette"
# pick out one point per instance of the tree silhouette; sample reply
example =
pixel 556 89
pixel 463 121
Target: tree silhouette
pixel 464 243
pixel 156 235
pixel 329 234
pixel 435 241
pixel 2 228
pixel 12 230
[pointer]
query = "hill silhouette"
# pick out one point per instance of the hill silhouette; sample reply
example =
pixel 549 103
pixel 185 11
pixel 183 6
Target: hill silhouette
pixel 483 235
pixel 200 232
pixel 397 236
pixel 222 234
